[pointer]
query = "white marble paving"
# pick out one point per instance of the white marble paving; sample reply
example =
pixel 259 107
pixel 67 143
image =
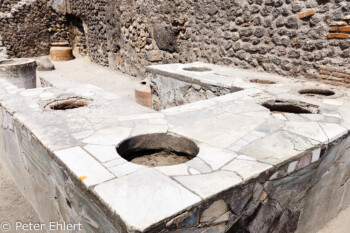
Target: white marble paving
pixel 84 166
pixel 207 185
pixel 215 157
pixel 145 197
pixel 107 137
pixel 246 169
pixel 103 153
pixel 307 129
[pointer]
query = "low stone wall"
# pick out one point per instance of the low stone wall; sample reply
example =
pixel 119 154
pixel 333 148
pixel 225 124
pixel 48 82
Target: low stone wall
pixel 46 184
pixel 256 170
pixel 168 92
pixel 299 197
pixel 28 28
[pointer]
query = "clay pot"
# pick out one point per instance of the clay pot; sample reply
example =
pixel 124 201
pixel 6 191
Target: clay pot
pixel 143 94
pixel 60 44
pixel 61 53
pixel 19 72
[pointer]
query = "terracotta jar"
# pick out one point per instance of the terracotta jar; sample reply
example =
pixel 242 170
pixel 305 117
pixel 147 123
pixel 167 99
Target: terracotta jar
pixel 143 94
pixel 20 72
pixel 61 51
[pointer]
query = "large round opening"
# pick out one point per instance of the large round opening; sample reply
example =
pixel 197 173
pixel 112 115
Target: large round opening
pixel 66 104
pixel 285 106
pixel 262 81
pixel 316 92
pixel 197 69
pixel 156 150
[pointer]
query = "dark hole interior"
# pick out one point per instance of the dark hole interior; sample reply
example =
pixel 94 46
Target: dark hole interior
pixel 280 106
pixel 155 150
pixel 312 92
pixel 262 81
pixel 143 83
pixel 68 203
pixel 197 69
pixel 68 104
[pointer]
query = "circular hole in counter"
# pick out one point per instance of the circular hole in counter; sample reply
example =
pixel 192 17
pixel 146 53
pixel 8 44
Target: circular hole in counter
pixel 66 104
pixel 286 106
pixel 316 92
pixel 197 69
pixel 156 150
pixel 262 81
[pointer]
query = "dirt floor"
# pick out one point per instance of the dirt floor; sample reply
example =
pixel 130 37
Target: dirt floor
pixel 159 159
pixel 13 206
pixel 340 224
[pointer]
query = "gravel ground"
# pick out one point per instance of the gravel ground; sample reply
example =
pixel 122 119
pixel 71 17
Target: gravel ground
pixel 13 206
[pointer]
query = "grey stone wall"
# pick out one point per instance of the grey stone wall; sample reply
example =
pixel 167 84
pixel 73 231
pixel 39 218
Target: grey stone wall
pixel 168 92
pixel 28 27
pixel 284 37
pixel 292 38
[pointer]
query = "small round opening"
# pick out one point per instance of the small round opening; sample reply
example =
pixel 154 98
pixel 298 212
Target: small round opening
pixel 284 106
pixel 66 104
pixel 143 83
pixel 197 69
pixel 316 92
pixel 262 81
pixel 156 150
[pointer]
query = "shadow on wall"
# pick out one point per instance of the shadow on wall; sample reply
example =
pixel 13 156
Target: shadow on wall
pixel 77 35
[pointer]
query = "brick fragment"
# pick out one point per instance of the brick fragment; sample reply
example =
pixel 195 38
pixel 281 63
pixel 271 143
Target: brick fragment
pixel 334 83
pixel 344 29
pixel 341 75
pixel 306 14
pixel 336 79
pixel 332 69
pixel 328 68
pixel 324 76
pixel 324 72
pixel 338 36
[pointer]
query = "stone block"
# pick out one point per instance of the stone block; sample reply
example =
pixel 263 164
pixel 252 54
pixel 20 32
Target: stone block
pixel 165 37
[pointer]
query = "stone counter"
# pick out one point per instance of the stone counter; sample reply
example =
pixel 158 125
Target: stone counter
pixel 256 170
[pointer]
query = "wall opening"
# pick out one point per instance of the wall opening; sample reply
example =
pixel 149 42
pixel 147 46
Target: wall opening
pixel 155 150
pixel 77 35
pixel 66 104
